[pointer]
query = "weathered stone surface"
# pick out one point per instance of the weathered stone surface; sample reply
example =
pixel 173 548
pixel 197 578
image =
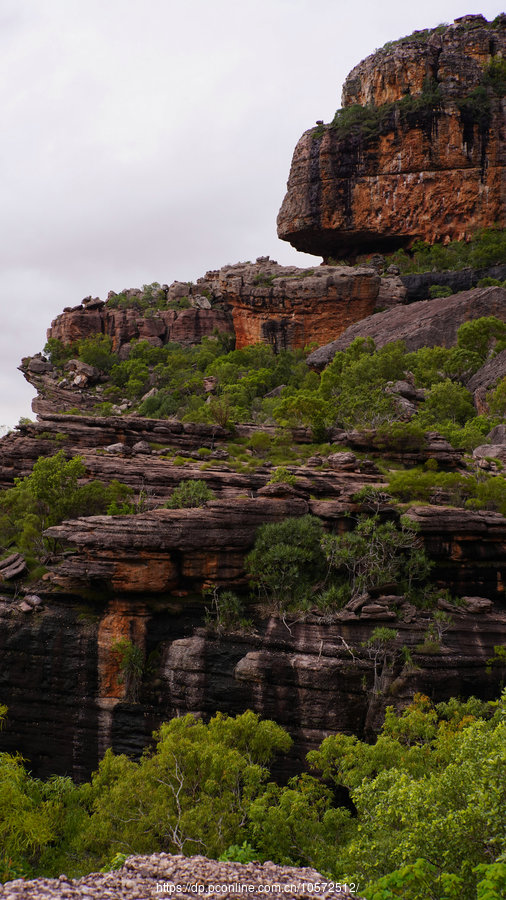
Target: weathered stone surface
pixel 289 307
pixel 145 876
pixel 12 566
pixel 491 451
pixel 418 285
pixel 424 324
pixel 467 546
pixel 284 306
pixel 433 173
pixel 186 326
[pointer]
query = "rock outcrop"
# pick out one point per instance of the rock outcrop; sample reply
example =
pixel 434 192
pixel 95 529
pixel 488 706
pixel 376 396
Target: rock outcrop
pixel 289 307
pixel 427 323
pixel 409 165
pixel 417 152
pixel 183 326
pixel 284 306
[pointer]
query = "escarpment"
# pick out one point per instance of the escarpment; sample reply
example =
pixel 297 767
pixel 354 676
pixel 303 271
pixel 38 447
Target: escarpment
pixel 284 306
pixel 145 390
pixel 142 578
pixel 417 151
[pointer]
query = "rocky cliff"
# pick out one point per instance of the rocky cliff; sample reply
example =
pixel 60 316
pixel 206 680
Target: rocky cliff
pixel 141 578
pixel 418 150
pixel 427 323
pixel 283 306
pixel 425 155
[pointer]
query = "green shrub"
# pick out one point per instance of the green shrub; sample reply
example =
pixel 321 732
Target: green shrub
pixel 226 612
pixel 489 492
pixel 486 248
pixel 439 290
pixel 286 561
pixel 376 554
pixel 59 353
pixel 96 350
pixel 488 281
pixel 131 663
pixel 446 402
pixel 482 336
pixel 50 494
pixel 283 476
pixel 497 399
pixel 190 494
pixel 244 853
pixel 400 437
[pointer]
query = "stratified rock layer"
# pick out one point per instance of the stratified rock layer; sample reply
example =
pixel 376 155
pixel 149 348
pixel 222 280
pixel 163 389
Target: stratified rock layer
pixel 428 323
pixel 283 306
pixel 433 168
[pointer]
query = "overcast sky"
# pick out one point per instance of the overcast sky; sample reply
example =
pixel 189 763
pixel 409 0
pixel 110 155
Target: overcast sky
pixel 151 140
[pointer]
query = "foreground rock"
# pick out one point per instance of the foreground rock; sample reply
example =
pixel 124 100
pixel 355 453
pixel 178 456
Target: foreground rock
pixel 428 323
pixel 151 876
pixel 418 156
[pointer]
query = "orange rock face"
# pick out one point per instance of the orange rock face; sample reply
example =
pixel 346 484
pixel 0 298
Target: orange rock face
pixel 284 306
pixel 290 307
pixel 122 621
pixel 431 166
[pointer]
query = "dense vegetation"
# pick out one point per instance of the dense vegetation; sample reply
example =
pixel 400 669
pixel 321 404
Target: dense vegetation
pixel 486 248
pixel 428 800
pixel 295 566
pixel 169 381
pixel 51 493
pixel 254 384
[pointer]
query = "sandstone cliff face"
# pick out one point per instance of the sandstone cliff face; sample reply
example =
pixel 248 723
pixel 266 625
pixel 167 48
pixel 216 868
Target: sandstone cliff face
pixel 140 578
pixel 290 307
pixel 67 696
pixel 284 306
pixel 418 152
pixel 184 326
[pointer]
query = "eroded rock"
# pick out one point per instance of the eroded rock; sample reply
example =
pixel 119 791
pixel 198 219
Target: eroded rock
pixel 426 167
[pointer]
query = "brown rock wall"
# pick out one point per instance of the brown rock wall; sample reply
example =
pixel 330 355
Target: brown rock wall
pixel 430 172
pixel 284 306
pixel 185 326
pixel 428 323
pixel 455 56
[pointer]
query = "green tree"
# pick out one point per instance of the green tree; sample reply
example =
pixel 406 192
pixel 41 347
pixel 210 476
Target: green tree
pixel 190 494
pixel 287 561
pixel 49 494
pixel 96 350
pixel 376 554
pixel 430 789
pixel 482 336
pixel 447 401
pixel 190 795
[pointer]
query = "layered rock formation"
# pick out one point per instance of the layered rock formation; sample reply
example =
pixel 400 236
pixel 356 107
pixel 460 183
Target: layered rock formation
pixel 284 306
pixel 428 323
pixel 142 578
pixel 417 152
